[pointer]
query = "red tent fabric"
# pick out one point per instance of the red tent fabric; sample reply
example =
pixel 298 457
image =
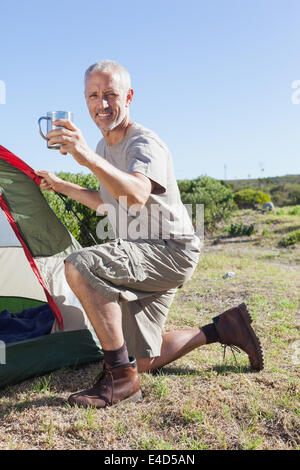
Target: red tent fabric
pixel 16 162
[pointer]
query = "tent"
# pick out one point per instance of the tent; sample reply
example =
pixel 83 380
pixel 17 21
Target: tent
pixel 33 245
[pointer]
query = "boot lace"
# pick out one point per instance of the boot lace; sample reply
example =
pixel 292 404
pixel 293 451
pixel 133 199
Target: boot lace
pixel 99 376
pixel 232 348
pixel 105 374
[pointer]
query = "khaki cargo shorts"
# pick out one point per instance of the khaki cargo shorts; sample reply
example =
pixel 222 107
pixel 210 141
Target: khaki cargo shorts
pixel 143 276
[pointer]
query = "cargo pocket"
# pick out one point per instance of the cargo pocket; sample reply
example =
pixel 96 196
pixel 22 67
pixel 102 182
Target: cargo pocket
pixel 124 265
pixel 136 261
pixel 116 271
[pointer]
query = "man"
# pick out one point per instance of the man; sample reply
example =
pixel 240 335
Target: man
pixel 127 285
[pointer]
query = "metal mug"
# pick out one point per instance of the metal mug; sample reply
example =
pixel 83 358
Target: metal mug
pixel 50 118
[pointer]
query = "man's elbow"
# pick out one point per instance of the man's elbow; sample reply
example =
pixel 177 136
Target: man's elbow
pixel 137 202
pixel 140 191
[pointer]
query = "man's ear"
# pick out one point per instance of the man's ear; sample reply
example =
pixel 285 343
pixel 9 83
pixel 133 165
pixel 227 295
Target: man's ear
pixel 129 97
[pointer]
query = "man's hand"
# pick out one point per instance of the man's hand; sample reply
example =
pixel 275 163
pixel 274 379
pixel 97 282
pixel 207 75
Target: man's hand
pixel 88 197
pixel 71 140
pixel 50 182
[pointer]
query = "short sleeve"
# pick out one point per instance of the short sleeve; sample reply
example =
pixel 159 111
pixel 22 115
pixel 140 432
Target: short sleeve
pixel 149 157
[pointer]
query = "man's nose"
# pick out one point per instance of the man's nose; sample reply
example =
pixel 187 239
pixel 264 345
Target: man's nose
pixel 103 103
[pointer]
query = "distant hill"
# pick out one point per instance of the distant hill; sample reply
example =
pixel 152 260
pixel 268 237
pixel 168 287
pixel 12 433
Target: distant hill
pixel 284 190
pixel 272 180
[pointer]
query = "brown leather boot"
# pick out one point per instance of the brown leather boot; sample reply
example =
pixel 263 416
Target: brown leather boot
pixel 233 327
pixel 115 384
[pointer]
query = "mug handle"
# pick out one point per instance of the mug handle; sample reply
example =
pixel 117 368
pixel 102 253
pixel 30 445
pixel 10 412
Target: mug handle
pixel 39 123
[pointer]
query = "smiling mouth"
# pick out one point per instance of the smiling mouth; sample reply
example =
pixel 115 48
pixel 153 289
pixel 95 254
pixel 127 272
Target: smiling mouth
pixel 103 115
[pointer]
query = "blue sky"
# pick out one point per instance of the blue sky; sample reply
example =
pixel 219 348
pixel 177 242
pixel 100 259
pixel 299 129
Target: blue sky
pixel 213 78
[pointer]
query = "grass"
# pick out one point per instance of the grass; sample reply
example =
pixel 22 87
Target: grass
pixel 199 402
pixel 42 385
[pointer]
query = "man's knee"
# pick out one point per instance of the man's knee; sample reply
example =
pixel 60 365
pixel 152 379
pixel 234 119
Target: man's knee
pixel 71 273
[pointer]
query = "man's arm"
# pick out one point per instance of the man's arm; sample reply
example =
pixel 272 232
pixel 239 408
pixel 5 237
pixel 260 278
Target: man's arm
pixel 135 186
pixel 88 197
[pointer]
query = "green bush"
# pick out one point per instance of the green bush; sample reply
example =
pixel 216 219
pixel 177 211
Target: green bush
pixel 286 194
pixel 291 239
pixel 87 216
pixel 216 197
pixel 294 211
pixel 293 191
pixel 249 198
pixel 279 196
pixel 239 230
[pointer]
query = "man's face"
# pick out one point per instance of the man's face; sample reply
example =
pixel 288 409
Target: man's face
pixel 107 99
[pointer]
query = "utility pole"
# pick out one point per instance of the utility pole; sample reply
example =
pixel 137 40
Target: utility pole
pixel 225 172
pixel 261 165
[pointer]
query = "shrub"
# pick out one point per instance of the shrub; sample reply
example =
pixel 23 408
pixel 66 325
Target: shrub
pixel 294 211
pixel 216 196
pixel 291 239
pixel 293 191
pixel 286 194
pixel 239 229
pixel 249 198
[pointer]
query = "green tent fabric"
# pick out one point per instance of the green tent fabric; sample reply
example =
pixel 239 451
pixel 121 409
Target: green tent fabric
pixel 47 236
pixel 33 245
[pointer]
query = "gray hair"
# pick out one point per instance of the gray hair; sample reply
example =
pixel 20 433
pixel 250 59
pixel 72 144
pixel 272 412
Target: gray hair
pixel 110 66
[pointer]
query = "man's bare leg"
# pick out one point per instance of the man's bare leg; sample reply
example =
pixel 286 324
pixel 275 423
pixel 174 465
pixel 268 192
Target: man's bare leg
pixel 105 316
pixel 174 345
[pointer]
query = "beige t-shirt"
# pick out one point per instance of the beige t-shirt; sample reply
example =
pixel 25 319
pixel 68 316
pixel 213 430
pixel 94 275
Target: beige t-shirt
pixel 164 215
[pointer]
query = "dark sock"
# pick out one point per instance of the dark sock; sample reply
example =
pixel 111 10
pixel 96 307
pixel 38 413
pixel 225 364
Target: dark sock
pixel 116 357
pixel 211 333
